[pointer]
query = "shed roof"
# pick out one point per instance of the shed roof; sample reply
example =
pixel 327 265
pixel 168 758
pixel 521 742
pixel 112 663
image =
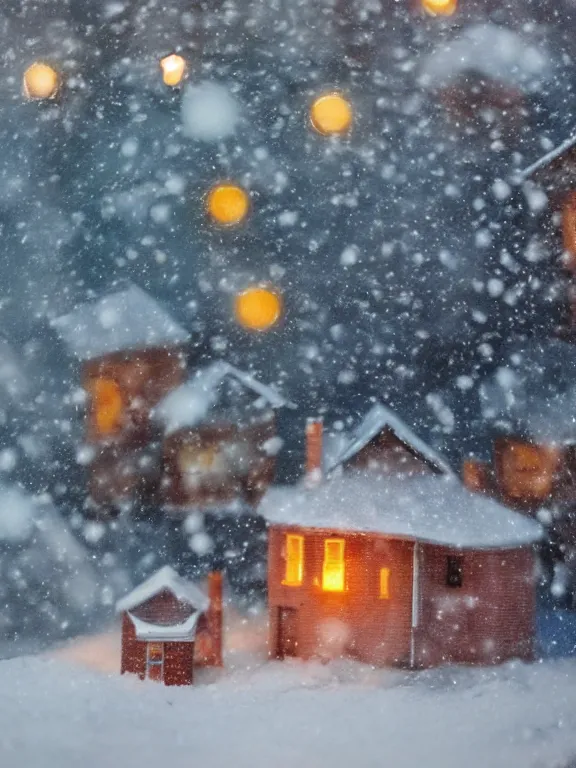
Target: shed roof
pixel 166 579
pixel 549 160
pixel 181 633
pixel 123 321
pixel 434 509
pixel 380 417
pixel 190 403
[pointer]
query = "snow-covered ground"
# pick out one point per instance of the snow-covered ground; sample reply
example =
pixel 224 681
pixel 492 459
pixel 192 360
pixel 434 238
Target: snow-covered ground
pixel 72 709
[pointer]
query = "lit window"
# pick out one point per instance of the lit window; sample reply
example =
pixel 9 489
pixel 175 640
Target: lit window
pixel 454 567
pixel 331 114
pixel 41 81
pixel 173 69
pixel 384 583
pixel 228 204
pixel 294 560
pixel 155 661
pixel 333 568
pixel 107 406
pixel 440 7
pixel 258 308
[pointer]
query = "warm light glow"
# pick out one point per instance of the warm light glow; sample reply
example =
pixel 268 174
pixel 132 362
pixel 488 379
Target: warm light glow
pixel 333 567
pixel 106 406
pixel 331 114
pixel 258 308
pixel 294 561
pixel 173 69
pixel 228 204
pixel 384 583
pixel 40 81
pixel 440 7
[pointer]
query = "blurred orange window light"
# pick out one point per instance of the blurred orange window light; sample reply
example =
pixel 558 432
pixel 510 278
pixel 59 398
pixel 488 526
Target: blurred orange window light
pixel 107 405
pixel 440 7
pixel 331 114
pixel 41 81
pixel 258 308
pixel 228 204
pixel 333 566
pixel 173 69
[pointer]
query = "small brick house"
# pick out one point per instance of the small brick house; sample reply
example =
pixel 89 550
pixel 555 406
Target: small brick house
pixel 169 626
pixel 411 572
pixel 132 353
pixel 220 440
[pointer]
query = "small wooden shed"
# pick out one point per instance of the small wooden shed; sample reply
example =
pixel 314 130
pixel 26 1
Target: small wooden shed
pixel 401 571
pixel 169 625
pixel 220 440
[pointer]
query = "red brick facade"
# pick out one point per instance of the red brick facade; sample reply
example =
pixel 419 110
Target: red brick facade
pixel 420 621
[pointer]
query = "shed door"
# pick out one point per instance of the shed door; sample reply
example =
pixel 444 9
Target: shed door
pixel 287 632
pixel 155 661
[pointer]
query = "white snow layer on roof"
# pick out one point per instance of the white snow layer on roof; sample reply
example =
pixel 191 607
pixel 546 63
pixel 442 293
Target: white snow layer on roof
pixel 435 509
pixel 190 403
pixel 378 418
pixel 494 51
pixel 181 633
pixel 56 714
pixel 166 579
pixel 127 320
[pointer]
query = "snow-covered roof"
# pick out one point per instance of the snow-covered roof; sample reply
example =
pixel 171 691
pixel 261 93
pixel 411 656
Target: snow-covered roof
pixel 129 319
pixel 166 579
pixel 181 633
pixel 189 404
pixel 380 417
pixel 494 51
pixel 435 509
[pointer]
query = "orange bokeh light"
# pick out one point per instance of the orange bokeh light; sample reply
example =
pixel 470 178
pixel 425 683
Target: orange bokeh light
pixel 41 81
pixel 440 7
pixel 228 204
pixel 258 308
pixel 107 406
pixel 331 114
pixel 173 69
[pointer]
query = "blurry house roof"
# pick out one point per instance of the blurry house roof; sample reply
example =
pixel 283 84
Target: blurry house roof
pixel 126 320
pixel 191 402
pixel 434 509
pixel 493 51
pixel 164 580
pixel 378 418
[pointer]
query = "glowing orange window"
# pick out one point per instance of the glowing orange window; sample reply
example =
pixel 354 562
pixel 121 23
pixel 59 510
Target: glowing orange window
pixel 106 406
pixel 384 583
pixel 333 567
pixel 294 561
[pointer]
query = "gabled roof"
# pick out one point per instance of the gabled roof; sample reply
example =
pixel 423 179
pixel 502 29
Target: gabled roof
pixel 127 320
pixel 378 418
pixel 428 508
pixel 548 160
pixel 166 579
pixel 189 404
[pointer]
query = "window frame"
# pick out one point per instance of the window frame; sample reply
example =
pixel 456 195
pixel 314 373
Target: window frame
pixel 334 568
pixel 454 577
pixel 384 583
pixel 295 577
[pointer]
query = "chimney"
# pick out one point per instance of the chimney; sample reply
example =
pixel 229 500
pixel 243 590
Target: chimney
pixel 214 619
pixel 314 434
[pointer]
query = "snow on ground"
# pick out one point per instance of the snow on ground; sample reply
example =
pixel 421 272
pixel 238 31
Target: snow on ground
pixel 59 714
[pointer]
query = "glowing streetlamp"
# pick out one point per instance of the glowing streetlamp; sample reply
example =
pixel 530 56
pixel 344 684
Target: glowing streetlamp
pixel 174 69
pixel 40 81
pixel 440 7
pixel 258 308
pixel 331 114
pixel 228 204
